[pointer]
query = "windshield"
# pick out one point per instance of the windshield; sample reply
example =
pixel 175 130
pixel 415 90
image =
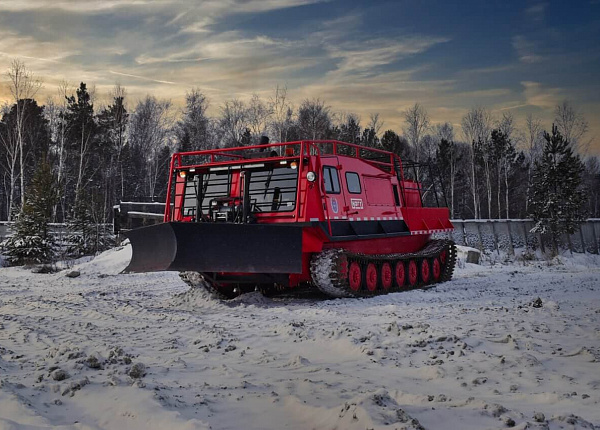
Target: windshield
pixel 273 190
pixel 270 190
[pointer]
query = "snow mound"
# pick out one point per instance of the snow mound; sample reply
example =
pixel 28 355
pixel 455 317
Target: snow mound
pixel 111 262
pixel 196 297
pixel 376 409
pixel 255 298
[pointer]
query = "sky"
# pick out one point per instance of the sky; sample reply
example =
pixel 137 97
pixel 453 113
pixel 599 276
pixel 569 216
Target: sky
pixel 358 56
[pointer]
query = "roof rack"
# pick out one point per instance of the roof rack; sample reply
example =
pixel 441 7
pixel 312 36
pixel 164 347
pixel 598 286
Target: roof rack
pixel 379 158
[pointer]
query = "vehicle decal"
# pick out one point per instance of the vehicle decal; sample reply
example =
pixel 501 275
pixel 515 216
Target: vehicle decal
pixel 356 203
pixel 334 205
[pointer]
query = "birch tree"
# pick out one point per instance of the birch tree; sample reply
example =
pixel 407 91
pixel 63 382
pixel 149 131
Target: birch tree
pixel 150 131
pixel 476 127
pixel 572 125
pixel 533 141
pixel 505 154
pixel 282 114
pixel 417 123
pixel 314 119
pixel 10 158
pixel 447 157
pixel 23 86
pixel 375 123
pixel 233 122
pixel 258 113
pixel 81 127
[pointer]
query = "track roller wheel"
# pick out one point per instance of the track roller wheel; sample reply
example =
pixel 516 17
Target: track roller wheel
pixel 443 257
pixel 371 277
pixel 425 271
pixel 387 276
pixel 436 269
pixel 400 274
pixel 413 273
pixel 354 276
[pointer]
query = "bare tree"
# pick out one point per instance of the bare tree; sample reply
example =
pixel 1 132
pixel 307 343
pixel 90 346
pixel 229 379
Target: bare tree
pixel 572 125
pixel 417 123
pixel 258 116
pixel 508 128
pixel 150 131
pixel 55 114
pixel 9 162
pixel 282 113
pixel 428 146
pixel 23 86
pixel 444 131
pixel 314 119
pixel 375 123
pixel 233 122
pixel 533 141
pixel 444 139
pixel 476 127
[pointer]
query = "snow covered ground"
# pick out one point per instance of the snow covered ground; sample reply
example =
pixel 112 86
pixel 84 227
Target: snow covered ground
pixel 144 351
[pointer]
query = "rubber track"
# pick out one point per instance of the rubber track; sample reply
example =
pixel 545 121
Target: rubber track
pixel 329 274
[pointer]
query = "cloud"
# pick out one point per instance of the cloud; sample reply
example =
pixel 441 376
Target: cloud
pixel 140 77
pixel 491 92
pixel 537 11
pixel 15 45
pixel 536 95
pixel 229 45
pixel 370 54
pixel 89 6
pixel 356 52
pixel 210 7
pixel 525 50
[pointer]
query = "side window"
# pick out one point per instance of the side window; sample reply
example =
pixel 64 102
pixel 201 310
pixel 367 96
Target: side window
pixel 332 181
pixel 353 183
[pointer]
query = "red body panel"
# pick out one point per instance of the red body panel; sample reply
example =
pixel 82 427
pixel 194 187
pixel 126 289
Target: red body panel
pixel 370 189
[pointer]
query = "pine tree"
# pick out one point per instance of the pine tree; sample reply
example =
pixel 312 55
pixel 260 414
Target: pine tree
pixel 32 241
pixel 81 136
pixel 390 141
pixel 369 138
pixel 557 200
pixel 112 127
pixel 86 233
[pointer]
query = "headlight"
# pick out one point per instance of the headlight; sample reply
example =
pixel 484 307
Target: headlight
pixel 311 176
pixel 182 173
pixel 293 165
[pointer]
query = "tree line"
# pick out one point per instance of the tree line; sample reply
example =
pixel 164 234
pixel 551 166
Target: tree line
pixel 100 155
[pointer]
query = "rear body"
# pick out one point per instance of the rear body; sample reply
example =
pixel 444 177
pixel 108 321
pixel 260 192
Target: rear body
pixel 260 216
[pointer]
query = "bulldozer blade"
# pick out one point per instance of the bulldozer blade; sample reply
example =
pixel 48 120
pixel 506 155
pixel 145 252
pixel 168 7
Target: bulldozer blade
pixel 214 247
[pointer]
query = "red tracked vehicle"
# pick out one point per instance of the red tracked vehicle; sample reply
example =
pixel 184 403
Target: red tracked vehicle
pixel 336 216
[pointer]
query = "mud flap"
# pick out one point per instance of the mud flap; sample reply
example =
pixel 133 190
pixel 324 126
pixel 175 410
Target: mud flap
pixel 214 247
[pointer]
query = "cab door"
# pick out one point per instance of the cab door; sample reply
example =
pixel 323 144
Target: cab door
pixel 332 188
